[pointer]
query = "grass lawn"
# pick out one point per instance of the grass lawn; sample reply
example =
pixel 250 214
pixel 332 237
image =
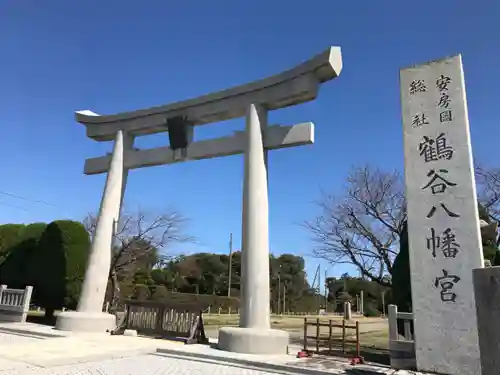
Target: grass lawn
pixel 233 320
pixel 374 339
pixel 276 320
pixel 373 345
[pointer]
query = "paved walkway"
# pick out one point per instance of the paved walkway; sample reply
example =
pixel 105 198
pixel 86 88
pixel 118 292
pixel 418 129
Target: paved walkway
pixel 159 364
pixel 31 349
pixel 143 365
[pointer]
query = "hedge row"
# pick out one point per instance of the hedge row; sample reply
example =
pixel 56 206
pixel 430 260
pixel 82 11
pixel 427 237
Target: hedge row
pixel 160 293
pixel 52 258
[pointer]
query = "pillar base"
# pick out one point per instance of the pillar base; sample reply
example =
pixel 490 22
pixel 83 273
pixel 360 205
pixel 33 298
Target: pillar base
pixel 253 340
pixel 81 321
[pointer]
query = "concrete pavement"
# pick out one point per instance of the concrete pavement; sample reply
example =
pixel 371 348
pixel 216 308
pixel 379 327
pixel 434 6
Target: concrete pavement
pixel 48 352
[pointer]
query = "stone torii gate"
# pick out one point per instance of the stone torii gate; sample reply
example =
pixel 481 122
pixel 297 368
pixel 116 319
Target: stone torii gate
pixel 252 100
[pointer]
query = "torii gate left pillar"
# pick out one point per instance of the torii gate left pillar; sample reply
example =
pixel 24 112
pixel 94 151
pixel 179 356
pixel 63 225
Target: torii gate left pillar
pixel 89 316
pixel 294 86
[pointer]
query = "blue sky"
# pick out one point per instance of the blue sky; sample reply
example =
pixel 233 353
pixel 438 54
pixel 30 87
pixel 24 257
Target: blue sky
pixel 112 56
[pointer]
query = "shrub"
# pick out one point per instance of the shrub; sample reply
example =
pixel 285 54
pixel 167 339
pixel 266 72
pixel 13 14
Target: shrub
pixel 370 311
pixel 17 271
pixel 141 292
pixel 60 261
pixel 10 236
pixel 160 293
pixel 340 299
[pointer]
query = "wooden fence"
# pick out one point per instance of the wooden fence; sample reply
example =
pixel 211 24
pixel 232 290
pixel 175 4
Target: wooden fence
pixel 230 312
pixel 330 343
pixel 402 349
pixel 164 320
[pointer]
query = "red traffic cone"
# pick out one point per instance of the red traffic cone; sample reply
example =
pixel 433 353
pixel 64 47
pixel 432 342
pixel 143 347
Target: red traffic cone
pixel 357 361
pixel 303 354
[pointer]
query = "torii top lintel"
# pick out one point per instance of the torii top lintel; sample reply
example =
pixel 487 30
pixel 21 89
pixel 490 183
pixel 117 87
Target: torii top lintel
pixel 297 85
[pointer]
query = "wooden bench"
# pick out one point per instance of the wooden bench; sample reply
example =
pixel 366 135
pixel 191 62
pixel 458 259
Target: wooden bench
pixel 14 304
pixel 164 320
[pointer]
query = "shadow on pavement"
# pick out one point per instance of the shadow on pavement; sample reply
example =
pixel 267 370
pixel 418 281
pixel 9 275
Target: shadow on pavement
pixel 41 319
pixel 228 363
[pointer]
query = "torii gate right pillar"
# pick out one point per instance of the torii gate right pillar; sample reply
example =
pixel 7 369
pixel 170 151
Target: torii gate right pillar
pixel 254 335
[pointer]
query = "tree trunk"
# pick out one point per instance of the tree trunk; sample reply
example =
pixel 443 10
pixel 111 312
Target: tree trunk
pixel 49 313
pixel 115 292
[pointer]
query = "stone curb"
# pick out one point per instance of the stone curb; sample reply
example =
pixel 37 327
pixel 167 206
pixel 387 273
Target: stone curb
pixel 255 364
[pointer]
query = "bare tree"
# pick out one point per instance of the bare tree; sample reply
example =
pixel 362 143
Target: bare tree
pixel 362 227
pixel 139 241
pixel 488 190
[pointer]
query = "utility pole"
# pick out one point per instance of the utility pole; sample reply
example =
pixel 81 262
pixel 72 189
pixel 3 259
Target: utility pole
pixel 326 292
pixel 383 303
pixel 230 270
pixel 284 299
pixel 362 302
pixel 318 290
pixel 314 286
pixel 279 291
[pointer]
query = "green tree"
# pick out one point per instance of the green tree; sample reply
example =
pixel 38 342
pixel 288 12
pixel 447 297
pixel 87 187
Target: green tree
pixel 10 236
pixel 235 263
pixel 142 292
pixel 60 261
pixel 17 271
pixel 214 273
pixel 288 282
pixel 347 288
pixel 208 274
pixel 160 293
pixel 370 310
pixel 401 284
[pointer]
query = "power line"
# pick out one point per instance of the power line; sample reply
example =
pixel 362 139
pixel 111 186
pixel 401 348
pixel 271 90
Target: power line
pixel 13 206
pixel 26 199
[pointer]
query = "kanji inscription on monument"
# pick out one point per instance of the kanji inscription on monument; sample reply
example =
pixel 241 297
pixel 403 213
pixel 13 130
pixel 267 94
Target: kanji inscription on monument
pixel 443 222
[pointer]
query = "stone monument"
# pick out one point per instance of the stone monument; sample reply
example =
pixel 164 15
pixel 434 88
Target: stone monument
pixel 487 293
pixel 347 310
pixel 443 221
pixel 253 101
pixel 362 302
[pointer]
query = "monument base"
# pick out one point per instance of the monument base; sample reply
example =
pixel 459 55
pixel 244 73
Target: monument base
pixel 253 340
pixel 81 321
